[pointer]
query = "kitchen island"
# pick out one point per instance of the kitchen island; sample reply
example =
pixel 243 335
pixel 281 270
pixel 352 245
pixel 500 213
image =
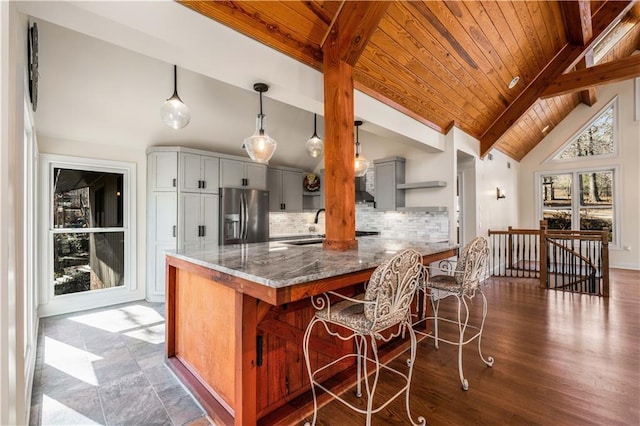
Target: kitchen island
pixel 236 316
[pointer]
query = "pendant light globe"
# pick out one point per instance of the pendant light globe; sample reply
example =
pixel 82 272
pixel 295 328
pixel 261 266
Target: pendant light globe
pixel 361 164
pixel 260 146
pixel 314 145
pixel 173 112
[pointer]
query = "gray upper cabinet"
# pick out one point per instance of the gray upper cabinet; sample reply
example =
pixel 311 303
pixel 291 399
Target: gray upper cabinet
pixel 199 173
pixel 242 174
pixel 285 189
pixel 391 186
pixel 389 173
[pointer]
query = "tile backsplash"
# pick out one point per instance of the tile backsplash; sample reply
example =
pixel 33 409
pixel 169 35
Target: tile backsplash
pixel 414 225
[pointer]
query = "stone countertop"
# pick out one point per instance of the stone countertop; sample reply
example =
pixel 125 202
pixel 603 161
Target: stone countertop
pixel 278 264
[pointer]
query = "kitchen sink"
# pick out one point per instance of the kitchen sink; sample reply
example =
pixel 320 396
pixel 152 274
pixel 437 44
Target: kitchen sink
pixel 305 242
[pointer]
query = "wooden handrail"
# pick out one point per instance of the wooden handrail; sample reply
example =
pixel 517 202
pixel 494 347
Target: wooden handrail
pixel 515 253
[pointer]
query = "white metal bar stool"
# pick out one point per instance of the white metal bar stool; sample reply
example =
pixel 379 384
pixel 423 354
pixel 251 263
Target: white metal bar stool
pixel 463 283
pixel 385 305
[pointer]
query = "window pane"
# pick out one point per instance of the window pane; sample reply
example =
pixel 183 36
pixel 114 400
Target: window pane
pixel 556 201
pixel 557 218
pixel 596 201
pixel 597 139
pixel 87 261
pixel 85 199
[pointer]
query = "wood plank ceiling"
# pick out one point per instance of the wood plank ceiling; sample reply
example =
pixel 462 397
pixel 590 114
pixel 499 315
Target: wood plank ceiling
pixel 447 63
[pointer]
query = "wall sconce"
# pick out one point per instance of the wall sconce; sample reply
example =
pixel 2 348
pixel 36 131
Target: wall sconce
pixel 500 193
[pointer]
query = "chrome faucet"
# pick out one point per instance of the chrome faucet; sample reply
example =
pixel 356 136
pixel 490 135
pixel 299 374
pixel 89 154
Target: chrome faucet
pixel 317 214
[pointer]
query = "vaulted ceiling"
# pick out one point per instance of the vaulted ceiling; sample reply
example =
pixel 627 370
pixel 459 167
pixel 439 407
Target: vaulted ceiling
pixel 447 63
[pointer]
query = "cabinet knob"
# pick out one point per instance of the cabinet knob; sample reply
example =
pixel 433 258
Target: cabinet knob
pixel 175 182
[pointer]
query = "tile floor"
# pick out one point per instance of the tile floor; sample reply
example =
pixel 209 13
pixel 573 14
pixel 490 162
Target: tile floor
pixel 106 366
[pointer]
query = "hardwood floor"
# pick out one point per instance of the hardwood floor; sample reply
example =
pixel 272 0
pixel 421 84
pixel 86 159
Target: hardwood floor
pixel 560 359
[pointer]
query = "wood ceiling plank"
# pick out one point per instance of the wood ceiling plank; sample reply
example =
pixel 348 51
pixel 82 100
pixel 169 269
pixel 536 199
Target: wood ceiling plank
pixel 447 26
pixel 382 70
pixel 368 86
pixel 430 51
pixel 397 89
pixel 554 20
pixel 543 30
pixel 566 59
pixel 525 63
pixel 519 33
pixel 529 31
pixel 442 93
pixel 355 23
pixel 486 37
pixel 611 72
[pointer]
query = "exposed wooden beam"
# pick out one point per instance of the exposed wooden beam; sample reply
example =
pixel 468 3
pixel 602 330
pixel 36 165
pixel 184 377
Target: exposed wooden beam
pixel 577 21
pixel 241 17
pixel 587 96
pixel 577 24
pixel 355 22
pixel 610 72
pixel 566 59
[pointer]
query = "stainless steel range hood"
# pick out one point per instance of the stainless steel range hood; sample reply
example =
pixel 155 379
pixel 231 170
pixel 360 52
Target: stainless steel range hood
pixel 362 196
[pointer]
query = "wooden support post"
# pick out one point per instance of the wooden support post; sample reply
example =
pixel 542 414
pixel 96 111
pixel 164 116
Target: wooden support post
pixel 605 262
pixel 339 149
pixel 510 248
pixel 543 254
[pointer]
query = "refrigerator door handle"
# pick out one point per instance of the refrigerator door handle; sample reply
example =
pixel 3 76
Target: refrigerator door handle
pixel 245 224
pixel 241 224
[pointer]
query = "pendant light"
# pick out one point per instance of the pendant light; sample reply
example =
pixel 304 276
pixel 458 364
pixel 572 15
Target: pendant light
pixel 174 113
pixel 361 164
pixel 260 146
pixel 314 145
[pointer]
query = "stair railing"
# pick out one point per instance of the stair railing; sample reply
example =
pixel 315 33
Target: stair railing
pixel 567 260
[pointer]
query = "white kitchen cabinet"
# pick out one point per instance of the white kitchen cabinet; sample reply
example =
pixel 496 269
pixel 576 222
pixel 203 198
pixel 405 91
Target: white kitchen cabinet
pixel 199 173
pixel 242 174
pixel 197 220
pixel 285 189
pixel 182 207
pixel 162 211
pixel 162 171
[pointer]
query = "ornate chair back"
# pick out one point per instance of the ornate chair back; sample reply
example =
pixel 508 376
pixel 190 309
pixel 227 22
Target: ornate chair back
pixel 471 265
pixel 392 286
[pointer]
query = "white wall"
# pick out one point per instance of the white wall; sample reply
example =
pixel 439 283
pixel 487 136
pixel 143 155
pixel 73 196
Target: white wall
pixel 14 388
pixel 627 255
pixel 481 177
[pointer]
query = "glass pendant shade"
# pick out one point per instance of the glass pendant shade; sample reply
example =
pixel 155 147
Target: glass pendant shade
pixel 314 145
pixel 260 146
pixel 174 113
pixel 361 164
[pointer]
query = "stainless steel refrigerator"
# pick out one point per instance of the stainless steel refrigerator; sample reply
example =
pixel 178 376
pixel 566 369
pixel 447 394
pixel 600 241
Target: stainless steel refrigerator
pixel 244 216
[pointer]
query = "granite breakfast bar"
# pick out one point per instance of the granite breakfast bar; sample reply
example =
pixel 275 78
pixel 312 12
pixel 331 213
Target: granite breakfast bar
pixel 235 317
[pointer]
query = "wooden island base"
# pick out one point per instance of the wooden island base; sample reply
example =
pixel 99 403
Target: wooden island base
pixel 237 344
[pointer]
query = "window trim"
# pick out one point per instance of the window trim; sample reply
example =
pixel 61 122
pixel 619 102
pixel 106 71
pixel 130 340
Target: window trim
pixel 52 304
pixel 575 202
pixel 613 102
